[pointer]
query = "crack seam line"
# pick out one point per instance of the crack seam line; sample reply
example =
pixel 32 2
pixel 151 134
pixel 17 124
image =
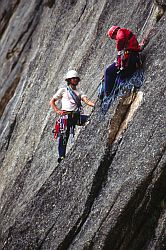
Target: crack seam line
pixel 88 209
pixel 77 225
pixel 146 190
pixel 29 25
pixel 19 55
pixel 5 26
pixel 105 217
pixel 45 237
pixel 27 40
pixel 82 12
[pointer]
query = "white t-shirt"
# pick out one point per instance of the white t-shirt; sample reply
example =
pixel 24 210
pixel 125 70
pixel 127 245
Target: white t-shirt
pixel 68 104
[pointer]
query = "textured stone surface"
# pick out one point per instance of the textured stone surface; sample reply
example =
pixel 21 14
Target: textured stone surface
pixel 104 195
pixel 18 21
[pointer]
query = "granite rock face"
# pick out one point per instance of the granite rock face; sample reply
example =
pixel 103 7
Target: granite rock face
pixel 106 194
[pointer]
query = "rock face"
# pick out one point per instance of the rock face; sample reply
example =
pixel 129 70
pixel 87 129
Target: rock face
pixel 106 194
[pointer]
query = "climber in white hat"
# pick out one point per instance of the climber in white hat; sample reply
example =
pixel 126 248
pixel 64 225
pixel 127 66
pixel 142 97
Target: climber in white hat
pixel 70 112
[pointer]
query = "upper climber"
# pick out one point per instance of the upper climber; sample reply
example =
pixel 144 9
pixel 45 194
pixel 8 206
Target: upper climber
pixel 125 39
pixel 128 59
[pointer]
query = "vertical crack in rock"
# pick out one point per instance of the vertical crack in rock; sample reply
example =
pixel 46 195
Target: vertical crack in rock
pixel 83 10
pixel 32 23
pixel 79 18
pixel 45 237
pixel 155 14
pixel 9 94
pixel 15 191
pixel 98 182
pixel 119 121
pixel 135 98
pixel 149 209
pixel 143 213
pixel 10 132
pixel 6 16
pixel 5 145
pixel 30 27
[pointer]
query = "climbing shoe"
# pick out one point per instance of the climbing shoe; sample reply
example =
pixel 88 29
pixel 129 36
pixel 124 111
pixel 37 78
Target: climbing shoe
pixel 60 159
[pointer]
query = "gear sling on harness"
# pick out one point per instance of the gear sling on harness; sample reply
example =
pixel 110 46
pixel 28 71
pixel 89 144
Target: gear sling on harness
pixel 60 126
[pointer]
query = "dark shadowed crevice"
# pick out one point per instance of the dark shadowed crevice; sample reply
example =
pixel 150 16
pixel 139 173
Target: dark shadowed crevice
pixel 40 244
pixel 8 138
pixel 10 132
pixel 140 216
pixel 34 21
pixel 118 118
pixel 98 181
pixel 160 10
pixel 6 18
pixel 12 51
pixel 49 3
pixel 150 208
pixel 8 94
pixel 11 90
pixel 16 190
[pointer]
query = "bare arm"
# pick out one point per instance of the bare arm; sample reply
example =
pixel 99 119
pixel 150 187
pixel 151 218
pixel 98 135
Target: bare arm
pixel 88 102
pixel 55 108
pixel 147 38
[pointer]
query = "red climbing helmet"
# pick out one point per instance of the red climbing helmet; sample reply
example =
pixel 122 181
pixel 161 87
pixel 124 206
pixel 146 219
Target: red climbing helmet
pixel 112 30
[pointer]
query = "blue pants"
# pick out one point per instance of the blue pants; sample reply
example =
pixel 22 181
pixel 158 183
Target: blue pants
pixel 111 72
pixel 110 75
pixel 72 121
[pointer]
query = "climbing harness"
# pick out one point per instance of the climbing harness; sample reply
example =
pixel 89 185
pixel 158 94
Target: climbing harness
pixel 68 121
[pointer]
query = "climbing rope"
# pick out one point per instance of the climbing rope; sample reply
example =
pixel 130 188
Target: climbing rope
pixel 150 12
pixel 93 93
pixel 121 87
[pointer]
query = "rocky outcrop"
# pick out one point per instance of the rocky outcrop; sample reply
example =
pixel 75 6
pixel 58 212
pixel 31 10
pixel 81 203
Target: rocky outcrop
pixel 109 192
